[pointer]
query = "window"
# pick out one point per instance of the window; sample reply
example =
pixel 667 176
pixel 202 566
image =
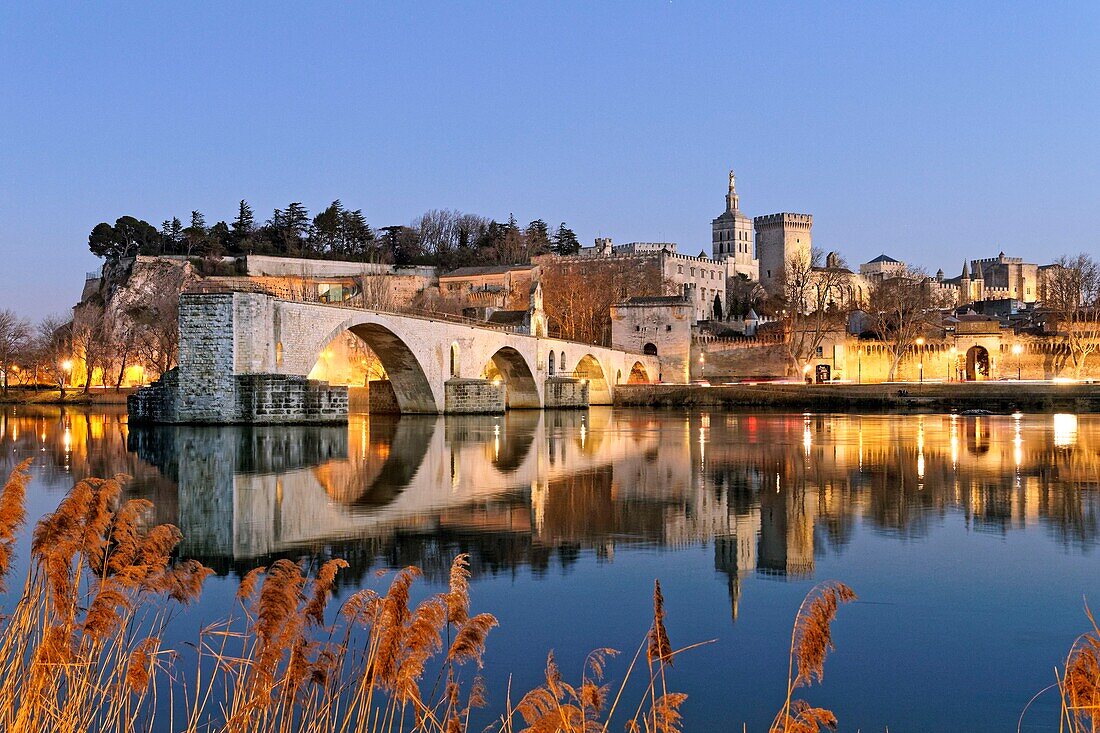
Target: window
pixel 820 351
pixel 668 326
pixel 679 269
pixel 693 272
pixel 551 363
pixel 637 328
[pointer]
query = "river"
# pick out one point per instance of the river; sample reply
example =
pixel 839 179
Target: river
pixel 971 541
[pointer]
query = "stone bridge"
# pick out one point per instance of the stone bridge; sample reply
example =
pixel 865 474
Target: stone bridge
pixel 245 357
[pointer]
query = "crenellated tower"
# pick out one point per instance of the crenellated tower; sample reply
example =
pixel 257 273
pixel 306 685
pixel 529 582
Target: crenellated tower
pixel 779 239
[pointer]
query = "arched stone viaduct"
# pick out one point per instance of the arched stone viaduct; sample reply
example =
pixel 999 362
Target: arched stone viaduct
pixel 241 353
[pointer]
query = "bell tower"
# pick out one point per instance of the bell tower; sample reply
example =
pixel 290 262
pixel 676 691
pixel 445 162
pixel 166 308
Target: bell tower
pixel 732 237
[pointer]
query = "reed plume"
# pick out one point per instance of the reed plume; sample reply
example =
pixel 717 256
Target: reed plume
pixel 659 650
pixel 811 641
pixel 13 514
pixel 1080 683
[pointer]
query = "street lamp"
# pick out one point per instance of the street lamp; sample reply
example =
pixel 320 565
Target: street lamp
pixel 1017 349
pixel 920 345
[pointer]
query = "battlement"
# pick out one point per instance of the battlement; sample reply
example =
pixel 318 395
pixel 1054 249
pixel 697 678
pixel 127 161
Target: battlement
pixel 785 219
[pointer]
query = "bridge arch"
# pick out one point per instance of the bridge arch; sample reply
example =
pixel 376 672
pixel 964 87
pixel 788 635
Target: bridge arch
pixel 405 373
pixel 519 380
pixel 638 374
pixel 589 368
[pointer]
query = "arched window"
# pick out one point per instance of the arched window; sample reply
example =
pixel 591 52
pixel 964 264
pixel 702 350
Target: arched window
pixel 561 361
pixel 551 364
pixel 650 349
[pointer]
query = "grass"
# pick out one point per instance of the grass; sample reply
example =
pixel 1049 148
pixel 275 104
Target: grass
pixel 83 648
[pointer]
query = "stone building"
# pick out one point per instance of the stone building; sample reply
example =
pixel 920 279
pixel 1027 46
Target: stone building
pixel 994 278
pixel 881 268
pixel 496 286
pixel 732 238
pixel 779 238
pixel 659 326
pixel 699 279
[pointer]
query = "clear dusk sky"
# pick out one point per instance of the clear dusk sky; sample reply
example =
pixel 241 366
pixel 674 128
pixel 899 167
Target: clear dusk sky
pixel 932 131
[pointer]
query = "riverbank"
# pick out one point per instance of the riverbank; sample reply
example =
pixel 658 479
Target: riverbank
pixel 72 397
pixel 933 397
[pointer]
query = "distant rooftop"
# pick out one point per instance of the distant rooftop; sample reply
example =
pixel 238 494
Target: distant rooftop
pixel 884 258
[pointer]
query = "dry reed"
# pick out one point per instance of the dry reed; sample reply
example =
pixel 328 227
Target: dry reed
pixel 83 647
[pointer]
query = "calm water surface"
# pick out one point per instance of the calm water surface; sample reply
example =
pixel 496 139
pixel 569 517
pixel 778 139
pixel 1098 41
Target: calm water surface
pixel 970 540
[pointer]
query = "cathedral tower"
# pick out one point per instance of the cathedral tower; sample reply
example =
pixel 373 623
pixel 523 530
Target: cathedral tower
pixel 732 238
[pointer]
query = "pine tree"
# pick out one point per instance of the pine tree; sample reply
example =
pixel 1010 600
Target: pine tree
pixel 538 238
pixel 565 241
pixel 245 223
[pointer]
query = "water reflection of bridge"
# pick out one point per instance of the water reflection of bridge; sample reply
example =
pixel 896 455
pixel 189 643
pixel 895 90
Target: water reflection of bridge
pixel 771 492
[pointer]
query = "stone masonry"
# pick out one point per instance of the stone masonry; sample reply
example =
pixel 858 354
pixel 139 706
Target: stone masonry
pixel 474 396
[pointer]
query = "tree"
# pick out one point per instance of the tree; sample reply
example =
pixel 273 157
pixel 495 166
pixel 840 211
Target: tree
pixel 155 319
pixel 812 302
pixel 15 338
pixel 537 236
pixel 743 295
pixel 171 233
pixel 195 236
pixel 565 241
pixel 242 229
pixel 127 238
pixel 328 236
pixel 578 295
pixel 1071 296
pixel 53 343
pixel 288 229
pixel 902 309
pixel 402 244
pixel 359 241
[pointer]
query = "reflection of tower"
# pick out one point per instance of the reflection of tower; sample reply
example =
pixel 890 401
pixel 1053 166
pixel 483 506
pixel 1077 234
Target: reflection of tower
pixel 735 554
pixel 787 530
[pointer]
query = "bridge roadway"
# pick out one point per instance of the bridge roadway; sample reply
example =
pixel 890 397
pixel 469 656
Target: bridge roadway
pixel 227 336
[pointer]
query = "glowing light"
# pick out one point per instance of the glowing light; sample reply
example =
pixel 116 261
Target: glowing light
pixel 67 365
pixel 1017 349
pixel 1065 430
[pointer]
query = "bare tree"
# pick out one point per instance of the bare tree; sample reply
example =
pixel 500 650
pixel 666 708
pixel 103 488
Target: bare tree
pixel 902 309
pixel 1071 295
pixel 15 337
pixel 579 295
pixel 378 292
pixel 53 343
pixel 813 301
pixel 155 319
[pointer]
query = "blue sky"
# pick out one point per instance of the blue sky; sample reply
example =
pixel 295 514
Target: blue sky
pixel 933 131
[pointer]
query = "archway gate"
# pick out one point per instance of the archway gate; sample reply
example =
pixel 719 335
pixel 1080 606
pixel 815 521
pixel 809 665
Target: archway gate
pixel 229 339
